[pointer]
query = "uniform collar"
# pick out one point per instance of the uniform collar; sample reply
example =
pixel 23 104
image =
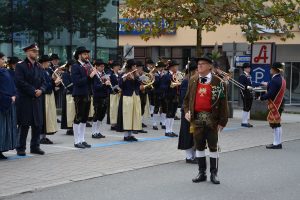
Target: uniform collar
pixel 275 75
pixel 208 76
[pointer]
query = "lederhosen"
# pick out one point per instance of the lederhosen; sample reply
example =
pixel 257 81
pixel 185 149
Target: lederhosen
pixel 246 94
pixel 100 98
pixel 158 94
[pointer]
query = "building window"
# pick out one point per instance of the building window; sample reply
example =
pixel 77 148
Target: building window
pixel 292 76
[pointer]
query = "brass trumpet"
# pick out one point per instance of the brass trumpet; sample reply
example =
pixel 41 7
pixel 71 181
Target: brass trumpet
pixel 227 78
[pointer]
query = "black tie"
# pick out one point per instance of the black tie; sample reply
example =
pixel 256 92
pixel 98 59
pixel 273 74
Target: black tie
pixel 203 79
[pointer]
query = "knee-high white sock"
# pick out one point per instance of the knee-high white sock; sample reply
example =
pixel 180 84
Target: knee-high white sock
pixel 98 126
pixel 277 136
pixel 151 109
pixel 245 117
pixel 249 115
pixel 82 132
pixel 189 153
pixel 163 118
pixel 167 123
pixel 94 128
pixel 280 135
pixel 274 136
pixel 155 119
pixel 200 154
pixel 171 126
pixel 75 130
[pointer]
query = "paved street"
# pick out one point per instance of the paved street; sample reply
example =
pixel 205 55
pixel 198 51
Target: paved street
pixel 69 168
pixel 254 173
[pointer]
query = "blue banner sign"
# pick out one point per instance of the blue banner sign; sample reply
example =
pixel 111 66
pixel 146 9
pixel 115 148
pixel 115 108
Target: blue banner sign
pixel 139 26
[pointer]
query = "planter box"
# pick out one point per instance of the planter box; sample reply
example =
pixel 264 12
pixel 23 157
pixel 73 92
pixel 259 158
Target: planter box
pixel 259 110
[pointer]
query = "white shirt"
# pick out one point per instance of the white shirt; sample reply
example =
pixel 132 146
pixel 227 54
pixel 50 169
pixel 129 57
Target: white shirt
pixel 208 78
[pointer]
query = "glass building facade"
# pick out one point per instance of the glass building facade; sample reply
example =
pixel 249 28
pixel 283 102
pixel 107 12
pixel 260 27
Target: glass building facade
pixel 60 27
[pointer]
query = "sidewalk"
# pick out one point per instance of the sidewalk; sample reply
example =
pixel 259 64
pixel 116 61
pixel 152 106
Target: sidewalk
pixel 64 164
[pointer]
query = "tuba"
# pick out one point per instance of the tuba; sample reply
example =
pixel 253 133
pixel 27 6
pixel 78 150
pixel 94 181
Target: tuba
pixel 177 79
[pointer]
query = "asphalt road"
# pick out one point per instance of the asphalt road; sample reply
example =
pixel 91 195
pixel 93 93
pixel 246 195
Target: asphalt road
pixel 255 173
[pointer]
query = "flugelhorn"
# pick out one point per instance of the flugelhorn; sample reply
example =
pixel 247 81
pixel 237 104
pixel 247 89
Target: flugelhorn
pixel 226 77
pixel 177 79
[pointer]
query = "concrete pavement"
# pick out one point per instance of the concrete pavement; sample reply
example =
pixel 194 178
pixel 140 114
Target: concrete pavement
pixel 65 164
pixel 254 173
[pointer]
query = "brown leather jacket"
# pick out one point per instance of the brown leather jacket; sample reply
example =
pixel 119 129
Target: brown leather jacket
pixel 219 99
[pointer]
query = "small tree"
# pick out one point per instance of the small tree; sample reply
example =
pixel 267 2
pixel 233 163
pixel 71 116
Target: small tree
pixel 207 15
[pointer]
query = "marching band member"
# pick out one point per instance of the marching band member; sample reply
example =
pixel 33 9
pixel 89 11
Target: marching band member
pixel 170 98
pixel 143 95
pixel 129 112
pixel 81 93
pixel 30 84
pixel 275 97
pixel 8 118
pixel 245 79
pixel 158 95
pixel 114 97
pixel 205 106
pixel 50 117
pixel 101 88
pixel 150 65
pixel 68 106
pixel 186 140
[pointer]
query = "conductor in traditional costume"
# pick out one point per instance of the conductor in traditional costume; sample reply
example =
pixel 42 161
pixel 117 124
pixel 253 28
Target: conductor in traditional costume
pixel 206 107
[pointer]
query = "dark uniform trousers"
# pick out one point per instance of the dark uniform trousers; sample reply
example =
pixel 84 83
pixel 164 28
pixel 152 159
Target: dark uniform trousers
pixel 100 106
pixel 205 135
pixel 159 103
pixel 35 137
pixel 171 104
pixel 82 108
pixel 143 97
pixel 247 100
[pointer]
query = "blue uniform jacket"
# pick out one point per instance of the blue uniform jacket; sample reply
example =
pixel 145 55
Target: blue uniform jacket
pixel 115 80
pixel 165 86
pixel 130 86
pixel 7 89
pixel 273 88
pixel 49 83
pixel 67 80
pixel 81 80
pixel 99 89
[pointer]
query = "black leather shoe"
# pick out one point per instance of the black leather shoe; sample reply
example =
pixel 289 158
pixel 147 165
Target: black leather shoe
pixel 70 132
pixel 37 151
pixel 176 118
pixel 168 134
pixel 144 125
pixel 21 153
pixel 142 131
pixel 79 145
pixel 135 132
pixel 43 141
pixel 48 141
pixel 155 128
pixel 214 178
pixel 191 161
pixel 86 145
pixel 174 134
pixel 98 136
pixel 201 177
pixel 163 126
pixel 112 128
pixel 272 146
pixel 247 125
pixel 88 124
pixel 133 139
pixel 2 157
pixel 58 121
pixel 127 139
